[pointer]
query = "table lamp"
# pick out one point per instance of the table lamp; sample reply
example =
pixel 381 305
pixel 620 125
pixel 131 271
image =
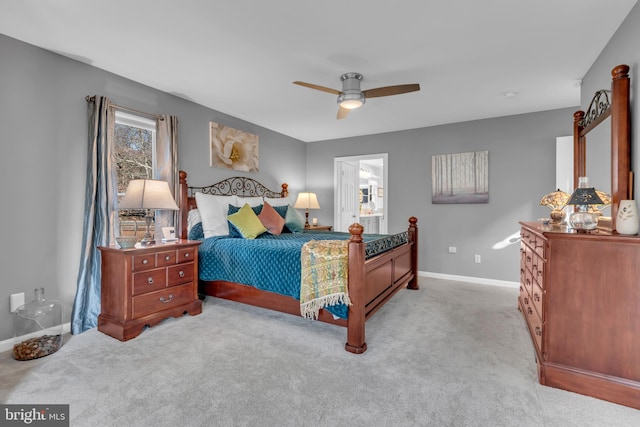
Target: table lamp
pixel 583 198
pixel 148 194
pixel 307 201
pixel 556 201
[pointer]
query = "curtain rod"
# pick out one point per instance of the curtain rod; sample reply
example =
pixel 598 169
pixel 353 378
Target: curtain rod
pixel 130 110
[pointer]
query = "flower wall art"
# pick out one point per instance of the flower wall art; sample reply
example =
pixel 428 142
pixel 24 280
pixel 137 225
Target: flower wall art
pixel 232 148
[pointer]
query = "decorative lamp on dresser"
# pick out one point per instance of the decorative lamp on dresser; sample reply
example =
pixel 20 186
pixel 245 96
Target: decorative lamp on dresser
pixel 144 285
pixel 580 290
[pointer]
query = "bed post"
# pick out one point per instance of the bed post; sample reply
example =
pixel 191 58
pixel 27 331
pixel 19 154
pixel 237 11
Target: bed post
pixel 355 322
pixel 184 205
pixel 413 237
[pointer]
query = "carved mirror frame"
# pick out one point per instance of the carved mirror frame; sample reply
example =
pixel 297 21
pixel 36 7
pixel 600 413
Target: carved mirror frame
pixel 599 109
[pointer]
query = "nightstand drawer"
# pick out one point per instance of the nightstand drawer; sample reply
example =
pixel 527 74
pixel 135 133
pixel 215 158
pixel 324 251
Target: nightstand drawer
pixel 181 273
pixel 144 261
pixel 162 300
pixel 166 258
pixel 147 281
pixel 186 254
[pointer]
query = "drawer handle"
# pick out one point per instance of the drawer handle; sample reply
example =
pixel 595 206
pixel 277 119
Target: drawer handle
pixel 538 331
pixel 181 273
pixel 529 310
pixel 186 255
pixel 145 261
pixel 167 258
pixel 164 301
pixel 150 280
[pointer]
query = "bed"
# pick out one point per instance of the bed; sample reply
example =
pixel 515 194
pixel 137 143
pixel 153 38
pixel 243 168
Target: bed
pixel 378 265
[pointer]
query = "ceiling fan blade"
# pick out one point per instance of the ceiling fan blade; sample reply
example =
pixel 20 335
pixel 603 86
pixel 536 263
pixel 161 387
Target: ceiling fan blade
pixel 317 87
pixel 342 113
pixel 391 90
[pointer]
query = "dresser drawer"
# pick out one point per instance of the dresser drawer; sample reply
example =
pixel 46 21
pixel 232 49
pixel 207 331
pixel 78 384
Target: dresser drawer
pixel 150 280
pixel 538 245
pixel 535 325
pixel 538 271
pixel 181 273
pixel 537 298
pixel 157 301
pixel 528 281
pixel 528 257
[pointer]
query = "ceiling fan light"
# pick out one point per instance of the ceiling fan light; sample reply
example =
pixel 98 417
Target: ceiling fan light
pixel 351 101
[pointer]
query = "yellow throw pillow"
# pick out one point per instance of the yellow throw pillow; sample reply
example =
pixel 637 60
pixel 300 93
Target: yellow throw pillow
pixel 247 222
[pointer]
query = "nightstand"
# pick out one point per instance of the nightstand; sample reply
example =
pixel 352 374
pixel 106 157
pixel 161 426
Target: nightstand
pixel 312 227
pixel 144 285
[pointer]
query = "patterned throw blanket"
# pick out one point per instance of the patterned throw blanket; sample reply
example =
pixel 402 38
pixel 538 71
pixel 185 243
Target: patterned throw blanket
pixel 324 278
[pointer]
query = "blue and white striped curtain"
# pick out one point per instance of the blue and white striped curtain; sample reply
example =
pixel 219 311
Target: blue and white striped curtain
pixel 99 214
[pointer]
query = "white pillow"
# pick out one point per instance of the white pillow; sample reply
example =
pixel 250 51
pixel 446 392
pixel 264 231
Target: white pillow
pixel 251 201
pixel 213 210
pixel 193 217
pixel 278 201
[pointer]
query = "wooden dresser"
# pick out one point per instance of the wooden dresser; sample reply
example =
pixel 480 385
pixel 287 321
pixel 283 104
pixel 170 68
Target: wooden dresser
pixel 143 286
pixel 580 297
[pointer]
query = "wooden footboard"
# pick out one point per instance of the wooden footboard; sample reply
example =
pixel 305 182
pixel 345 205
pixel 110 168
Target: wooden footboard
pixel 372 282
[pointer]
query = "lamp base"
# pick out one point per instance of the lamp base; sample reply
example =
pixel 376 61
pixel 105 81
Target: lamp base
pixel 583 221
pixel 148 239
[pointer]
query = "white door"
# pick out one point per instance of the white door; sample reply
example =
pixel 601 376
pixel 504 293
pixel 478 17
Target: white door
pixel 346 195
pixel 347 183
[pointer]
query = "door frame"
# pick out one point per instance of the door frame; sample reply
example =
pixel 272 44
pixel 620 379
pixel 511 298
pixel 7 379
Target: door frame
pixel 337 182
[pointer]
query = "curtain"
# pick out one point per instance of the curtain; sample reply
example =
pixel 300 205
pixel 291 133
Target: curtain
pixel 167 168
pixel 100 195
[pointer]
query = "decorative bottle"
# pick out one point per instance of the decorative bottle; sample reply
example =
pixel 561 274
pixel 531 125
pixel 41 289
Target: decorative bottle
pixel 37 328
pixel 627 222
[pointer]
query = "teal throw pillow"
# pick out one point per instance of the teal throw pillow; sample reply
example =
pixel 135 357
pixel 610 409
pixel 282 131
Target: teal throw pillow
pixel 293 220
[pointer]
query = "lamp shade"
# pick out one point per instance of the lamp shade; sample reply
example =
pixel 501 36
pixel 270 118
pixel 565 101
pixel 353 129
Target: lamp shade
pixel 148 194
pixel 585 196
pixel 307 201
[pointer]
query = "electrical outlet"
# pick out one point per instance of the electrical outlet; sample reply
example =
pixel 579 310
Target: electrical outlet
pixel 453 249
pixel 16 300
pixel 478 259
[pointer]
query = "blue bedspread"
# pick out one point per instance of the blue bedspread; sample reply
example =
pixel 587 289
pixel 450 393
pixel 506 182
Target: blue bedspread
pixel 270 263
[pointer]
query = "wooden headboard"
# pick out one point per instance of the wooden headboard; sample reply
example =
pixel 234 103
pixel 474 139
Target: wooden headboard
pixel 234 186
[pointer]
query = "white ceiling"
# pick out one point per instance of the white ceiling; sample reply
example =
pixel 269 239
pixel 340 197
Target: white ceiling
pixel 240 57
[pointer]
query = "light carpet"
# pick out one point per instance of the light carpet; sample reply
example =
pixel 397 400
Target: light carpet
pixel 449 354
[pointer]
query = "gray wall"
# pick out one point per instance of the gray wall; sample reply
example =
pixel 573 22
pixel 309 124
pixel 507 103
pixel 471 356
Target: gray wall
pixel 521 171
pixel 44 138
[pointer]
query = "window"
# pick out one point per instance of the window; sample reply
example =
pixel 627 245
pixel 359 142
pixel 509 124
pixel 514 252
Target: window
pixel 134 149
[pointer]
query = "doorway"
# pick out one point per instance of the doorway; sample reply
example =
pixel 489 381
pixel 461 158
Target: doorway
pixel 361 192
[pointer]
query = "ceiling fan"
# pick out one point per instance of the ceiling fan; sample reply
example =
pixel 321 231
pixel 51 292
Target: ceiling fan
pixel 352 97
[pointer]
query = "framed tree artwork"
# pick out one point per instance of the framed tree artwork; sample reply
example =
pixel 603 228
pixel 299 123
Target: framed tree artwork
pixel 460 178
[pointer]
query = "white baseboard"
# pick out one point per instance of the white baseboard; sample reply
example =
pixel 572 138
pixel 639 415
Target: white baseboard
pixel 7 345
pixel 479 280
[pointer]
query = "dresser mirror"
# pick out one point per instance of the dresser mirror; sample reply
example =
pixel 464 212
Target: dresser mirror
pixel 606 118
